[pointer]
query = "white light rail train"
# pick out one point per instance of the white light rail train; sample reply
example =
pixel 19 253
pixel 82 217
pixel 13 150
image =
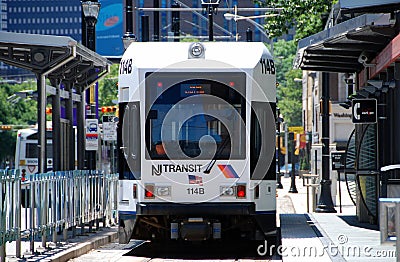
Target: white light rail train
pixel 196 140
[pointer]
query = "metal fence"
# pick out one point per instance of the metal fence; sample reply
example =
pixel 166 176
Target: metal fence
pixel 389 226
pixel 43 205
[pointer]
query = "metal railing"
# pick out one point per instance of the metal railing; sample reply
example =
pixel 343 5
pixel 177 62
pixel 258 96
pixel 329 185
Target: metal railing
pixel 389 226
pixel 46 204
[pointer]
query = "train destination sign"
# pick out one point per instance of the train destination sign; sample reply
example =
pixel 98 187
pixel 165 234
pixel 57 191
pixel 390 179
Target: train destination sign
pixel 195 89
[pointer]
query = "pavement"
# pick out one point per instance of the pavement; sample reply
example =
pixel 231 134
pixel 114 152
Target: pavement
pixel 311 236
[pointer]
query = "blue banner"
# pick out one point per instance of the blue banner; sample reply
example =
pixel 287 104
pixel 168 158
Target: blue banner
pixel 109 29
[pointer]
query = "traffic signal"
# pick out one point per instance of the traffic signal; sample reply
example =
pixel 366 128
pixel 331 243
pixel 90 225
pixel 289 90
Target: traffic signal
pixel 5 127
pixel 49 110
pixel 108 109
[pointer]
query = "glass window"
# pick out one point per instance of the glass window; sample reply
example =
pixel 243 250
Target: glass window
pixel 32 150
pixel 130 132
pixel 262 141
pixel 200 118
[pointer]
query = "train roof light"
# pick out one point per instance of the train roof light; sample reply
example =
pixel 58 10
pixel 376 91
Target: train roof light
pixel 196 50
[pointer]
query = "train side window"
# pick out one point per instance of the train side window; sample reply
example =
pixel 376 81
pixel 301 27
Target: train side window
pixel 131 145
pixel 262 141
pixel 134 140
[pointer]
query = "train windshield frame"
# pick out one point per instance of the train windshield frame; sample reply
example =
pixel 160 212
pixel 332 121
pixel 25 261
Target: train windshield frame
pixel 195 117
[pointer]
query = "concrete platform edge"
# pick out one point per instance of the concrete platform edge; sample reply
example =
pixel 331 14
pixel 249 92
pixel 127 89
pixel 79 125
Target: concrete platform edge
pixel 84 247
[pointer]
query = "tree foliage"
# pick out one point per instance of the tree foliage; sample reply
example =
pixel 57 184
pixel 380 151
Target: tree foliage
pixel 291 104
pixel 289 92
pixel 284 52
pixel 108 87
pixel 16 111
pixel 307 16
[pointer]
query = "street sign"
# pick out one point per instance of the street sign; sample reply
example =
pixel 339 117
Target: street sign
pixel 338 159
pixel 364 111
pixel 296 129
pixel 110 128
pixel 92 134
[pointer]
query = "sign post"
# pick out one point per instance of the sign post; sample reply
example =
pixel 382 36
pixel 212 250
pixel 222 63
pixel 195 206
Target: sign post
pixel 92 134
pixel 338 161
pixel 110 128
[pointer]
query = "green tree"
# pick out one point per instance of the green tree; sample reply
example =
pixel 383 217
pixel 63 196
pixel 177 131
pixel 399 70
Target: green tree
pixel 307 16
pixel 291 104
pixel 108 87
pixel 284 52
pixel 289 92
pixel 16 111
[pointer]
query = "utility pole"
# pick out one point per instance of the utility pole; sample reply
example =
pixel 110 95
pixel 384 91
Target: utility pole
pixel 156 22
pixel 176 22
pixel 211 7
pixel 90 10
pixel 293 188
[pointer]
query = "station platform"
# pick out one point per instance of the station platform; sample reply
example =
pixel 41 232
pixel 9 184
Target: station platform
pixel 310 236
pixel 63 250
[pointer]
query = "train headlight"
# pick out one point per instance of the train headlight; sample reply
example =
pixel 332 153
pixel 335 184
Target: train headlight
pixel 228 191
pixel 163 191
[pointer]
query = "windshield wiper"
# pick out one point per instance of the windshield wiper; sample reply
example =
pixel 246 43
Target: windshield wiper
pixel 217 154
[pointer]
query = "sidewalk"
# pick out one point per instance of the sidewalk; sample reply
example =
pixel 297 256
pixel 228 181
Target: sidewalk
pixel 326 236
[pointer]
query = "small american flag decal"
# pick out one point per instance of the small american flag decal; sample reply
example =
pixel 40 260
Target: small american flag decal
pixel 195 180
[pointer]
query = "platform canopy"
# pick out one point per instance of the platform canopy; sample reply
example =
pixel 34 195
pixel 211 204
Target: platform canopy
pixel 57 57
pixel 346 47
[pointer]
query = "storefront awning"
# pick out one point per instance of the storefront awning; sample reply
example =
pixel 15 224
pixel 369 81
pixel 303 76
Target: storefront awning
pixel 347 47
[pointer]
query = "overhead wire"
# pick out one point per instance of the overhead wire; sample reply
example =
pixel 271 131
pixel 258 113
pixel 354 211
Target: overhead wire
pixel 206 19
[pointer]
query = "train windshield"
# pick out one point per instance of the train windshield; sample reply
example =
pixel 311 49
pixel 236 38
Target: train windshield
pixel 195 119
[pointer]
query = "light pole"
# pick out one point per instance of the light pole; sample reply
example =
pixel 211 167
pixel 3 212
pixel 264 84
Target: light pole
pixel 325 203
pixel 293 188
pixel 128 37
pixel 90 11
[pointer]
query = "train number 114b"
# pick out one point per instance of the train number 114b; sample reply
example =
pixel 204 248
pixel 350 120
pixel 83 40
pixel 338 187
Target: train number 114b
pixel 267 66
pixel 195 191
